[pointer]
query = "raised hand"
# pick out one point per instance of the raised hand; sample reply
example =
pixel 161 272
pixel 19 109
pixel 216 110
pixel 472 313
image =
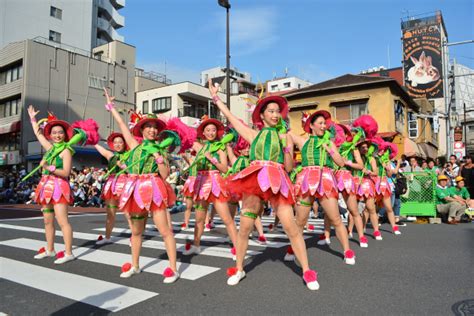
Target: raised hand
pixel 213 89
pixel 32 112
pixel 108 97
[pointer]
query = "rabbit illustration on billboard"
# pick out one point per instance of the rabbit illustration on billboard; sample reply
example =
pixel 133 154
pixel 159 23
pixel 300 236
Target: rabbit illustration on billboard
pixel 422 71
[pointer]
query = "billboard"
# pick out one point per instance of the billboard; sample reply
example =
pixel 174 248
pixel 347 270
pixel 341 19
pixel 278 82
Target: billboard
pixel 422 57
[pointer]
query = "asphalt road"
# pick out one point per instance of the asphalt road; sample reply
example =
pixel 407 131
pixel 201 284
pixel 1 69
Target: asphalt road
pixel 426 270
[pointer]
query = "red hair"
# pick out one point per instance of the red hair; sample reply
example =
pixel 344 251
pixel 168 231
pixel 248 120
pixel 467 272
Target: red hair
pixel 240 145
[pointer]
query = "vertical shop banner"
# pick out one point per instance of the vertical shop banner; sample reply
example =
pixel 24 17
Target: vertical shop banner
pixel 422 60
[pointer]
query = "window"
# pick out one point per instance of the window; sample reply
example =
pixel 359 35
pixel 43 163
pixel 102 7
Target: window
pixel 412 125
pixel 470 127
pixel 195 109
pixel 55 36
pixel 274 87
pixel 347 112
pixel 11 74
pixel 97 82
pixel 10 143
pixel 287 84
pixel 10 107
pixel 399 111
pixel 56 13
pixel 161 105
pixel 145 107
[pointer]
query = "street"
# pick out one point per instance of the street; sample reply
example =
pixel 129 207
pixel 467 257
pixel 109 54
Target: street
pixel 426 270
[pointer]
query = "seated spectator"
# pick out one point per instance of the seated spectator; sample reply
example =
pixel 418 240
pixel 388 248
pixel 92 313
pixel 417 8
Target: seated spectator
pixel 460 193
pixel 446 204
pixel 94 196
pixel 32 196
pixel 79 196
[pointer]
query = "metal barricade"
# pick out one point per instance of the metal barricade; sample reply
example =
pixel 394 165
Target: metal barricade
pixel 420 198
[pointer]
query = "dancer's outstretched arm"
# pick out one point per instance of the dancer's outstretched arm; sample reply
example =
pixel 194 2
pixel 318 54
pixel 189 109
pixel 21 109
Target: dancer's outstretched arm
pixel 37 130
pixel 246 132
pixel 107 154
pixel 129 139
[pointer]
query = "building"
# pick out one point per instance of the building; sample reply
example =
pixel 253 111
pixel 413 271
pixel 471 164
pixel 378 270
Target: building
pixel 395 73
pixel 283 85
pixel 79 24
pixel 463 94
pixel 221 72
pixel 400 118
pixel 68 83
pixel 240 82
pixel 145 80
pixel 190 102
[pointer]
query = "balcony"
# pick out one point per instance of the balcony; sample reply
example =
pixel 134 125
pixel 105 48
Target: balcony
pixel 118 4
pixel 104 27
pixel 106 8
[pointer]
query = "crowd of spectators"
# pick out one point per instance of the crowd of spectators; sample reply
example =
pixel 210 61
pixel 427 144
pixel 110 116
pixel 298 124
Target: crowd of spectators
pixel 86 185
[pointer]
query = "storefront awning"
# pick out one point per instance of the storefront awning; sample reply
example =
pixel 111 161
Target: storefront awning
pixel 388 135
pixel 429 150
pixel 412 149
pixel 10 127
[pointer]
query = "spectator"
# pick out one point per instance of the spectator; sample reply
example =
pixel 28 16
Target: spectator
pixel 173 178
pixel 414 165
pixel 449 172
pixel 432 167
pixel 404 165
pixel 79 195
pixel 424 164
pixel 460 193
pixel 32 196
pixel 455 167
pixel 94 196
pixel 446 204
pixel 467 172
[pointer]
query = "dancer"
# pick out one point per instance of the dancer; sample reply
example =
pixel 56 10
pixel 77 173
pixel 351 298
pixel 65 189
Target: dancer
pixel 116 157
pixel 53 192
pixel 188 190
pixel 239 159
pixel 365 179
pixel 386 152
pixel 210 187
pixel 316 179
pixel 266 178
pixel 345 176
pixel 146 190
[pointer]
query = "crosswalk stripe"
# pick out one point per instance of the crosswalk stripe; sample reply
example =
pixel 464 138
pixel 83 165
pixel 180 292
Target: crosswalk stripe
pixel 265 221
pixel 102 294
pixel 152 265
pixel 318 230
pixel 270 243
pixel 213 251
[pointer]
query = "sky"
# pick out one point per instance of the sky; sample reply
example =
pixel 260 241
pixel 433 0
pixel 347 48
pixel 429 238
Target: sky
pixel 313 39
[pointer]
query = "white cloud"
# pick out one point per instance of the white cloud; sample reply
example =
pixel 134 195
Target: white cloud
pixel 251 30
pixel 173 72
pixel 313 73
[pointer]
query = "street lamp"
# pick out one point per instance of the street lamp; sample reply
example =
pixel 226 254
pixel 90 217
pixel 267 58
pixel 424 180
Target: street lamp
pixel 225 4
